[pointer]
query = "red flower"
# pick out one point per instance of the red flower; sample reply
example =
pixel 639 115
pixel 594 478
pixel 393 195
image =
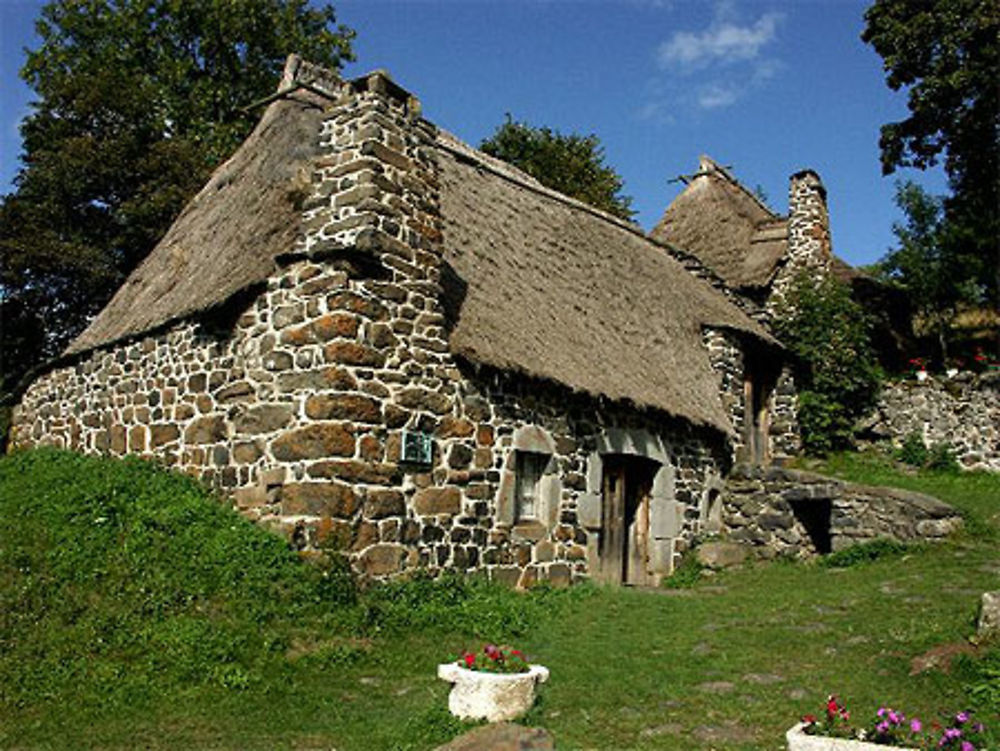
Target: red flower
pixel 470 659
pixel 809 719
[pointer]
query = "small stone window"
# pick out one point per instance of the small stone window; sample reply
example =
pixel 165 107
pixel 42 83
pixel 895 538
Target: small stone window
pixel 530 487
pixel 529 469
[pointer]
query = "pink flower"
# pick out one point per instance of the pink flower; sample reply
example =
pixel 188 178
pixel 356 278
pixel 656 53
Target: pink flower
pixel 915 725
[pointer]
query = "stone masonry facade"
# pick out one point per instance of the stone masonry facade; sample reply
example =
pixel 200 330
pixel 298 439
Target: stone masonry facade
pixel 782 435
pixel 296 398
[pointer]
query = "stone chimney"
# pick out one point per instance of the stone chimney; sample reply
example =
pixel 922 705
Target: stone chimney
pixel 809 246
pixel 808 223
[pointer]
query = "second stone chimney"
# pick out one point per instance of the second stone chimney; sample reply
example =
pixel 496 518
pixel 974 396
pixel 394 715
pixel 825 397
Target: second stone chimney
pixel 809 246
pixel 808 223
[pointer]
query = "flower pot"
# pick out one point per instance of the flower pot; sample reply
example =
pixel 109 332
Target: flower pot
pixel 921 375
pixel 951 372
pixel 494 697
pixel 799 741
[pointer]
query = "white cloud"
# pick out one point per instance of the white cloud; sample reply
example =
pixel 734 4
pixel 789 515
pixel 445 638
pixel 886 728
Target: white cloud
pixel 716 95
pixel 722 42
pixel 719 65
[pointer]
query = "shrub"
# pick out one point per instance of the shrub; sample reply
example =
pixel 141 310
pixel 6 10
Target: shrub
pixel 864 552
pixel 914 450
pixel 687 574
pixel 942 458
pixel 836 372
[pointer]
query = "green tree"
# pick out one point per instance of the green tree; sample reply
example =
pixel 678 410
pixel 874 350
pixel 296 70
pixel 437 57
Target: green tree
pixel 946 54
pixel 836 374
pixel 929 263
pixel 572 164
pixel 137 102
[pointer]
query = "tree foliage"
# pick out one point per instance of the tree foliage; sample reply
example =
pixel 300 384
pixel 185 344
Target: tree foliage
pixel 137 101
pixel 946 54
pixel 572 164
pixel 934 267
pixel 837 375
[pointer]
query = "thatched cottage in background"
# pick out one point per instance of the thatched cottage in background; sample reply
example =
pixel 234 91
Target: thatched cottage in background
pixel 758 253
pixel 364 330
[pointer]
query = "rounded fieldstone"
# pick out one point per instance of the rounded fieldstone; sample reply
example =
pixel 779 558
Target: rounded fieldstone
pixel 314 442
pixel 318 499
pixel 263 418
pixel 208 429
pixel 382 559
pixel 343 407
pixel 437 500
pixel 382 503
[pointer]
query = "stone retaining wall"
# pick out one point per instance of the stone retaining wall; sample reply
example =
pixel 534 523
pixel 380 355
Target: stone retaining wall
pixel 963 411
pixel 779 511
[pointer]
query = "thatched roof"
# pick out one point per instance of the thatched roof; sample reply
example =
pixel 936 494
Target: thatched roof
pixel 548 286
pixel 558 290
pixel 726 226
pixel 227 237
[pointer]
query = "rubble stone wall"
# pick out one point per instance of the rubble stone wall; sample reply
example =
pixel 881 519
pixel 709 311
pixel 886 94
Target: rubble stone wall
pixel 780 511
pixel 963 412
pixel 726 355
pixel 299 414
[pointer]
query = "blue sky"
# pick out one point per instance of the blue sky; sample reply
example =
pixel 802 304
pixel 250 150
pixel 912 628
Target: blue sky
pixel 766 87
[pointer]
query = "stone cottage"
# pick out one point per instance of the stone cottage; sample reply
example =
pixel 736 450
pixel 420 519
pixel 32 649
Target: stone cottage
pixel 758 252
pixel 755 251
pixel 370 333
pixel 372 336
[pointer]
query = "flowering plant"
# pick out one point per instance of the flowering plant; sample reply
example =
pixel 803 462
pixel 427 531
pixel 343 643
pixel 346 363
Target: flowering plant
pixel 835 722
pixel 918 363
pixel 961 735
pixel 494 659
pixel 890 727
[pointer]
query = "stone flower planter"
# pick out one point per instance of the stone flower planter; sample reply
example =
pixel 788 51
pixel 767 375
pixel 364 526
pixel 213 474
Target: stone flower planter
pixel 799 741
pixel 494 697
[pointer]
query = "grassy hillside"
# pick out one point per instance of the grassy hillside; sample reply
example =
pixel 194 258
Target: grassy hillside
pixel 136 610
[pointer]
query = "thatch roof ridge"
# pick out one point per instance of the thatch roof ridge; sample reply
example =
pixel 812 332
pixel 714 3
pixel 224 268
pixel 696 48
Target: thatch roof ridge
pixel 725 225
pixel 450 142
pixel 707 164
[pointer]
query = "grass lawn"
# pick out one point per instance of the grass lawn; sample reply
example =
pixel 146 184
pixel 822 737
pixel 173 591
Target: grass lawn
pixel 152 630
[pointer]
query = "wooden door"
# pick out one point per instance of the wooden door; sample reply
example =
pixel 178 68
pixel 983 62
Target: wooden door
pixel 625 533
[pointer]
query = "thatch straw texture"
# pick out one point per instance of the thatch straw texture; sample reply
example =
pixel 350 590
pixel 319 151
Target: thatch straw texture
pixel 560 291
pixel 547 286
pixel 226 238
pixel 725 226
